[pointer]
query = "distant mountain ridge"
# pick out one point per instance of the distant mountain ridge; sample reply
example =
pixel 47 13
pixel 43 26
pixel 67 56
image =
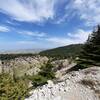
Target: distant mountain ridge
pixel 65 51
pixel 19 51
pixel 70 51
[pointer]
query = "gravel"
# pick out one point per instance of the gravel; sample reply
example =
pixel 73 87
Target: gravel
pixel 70 87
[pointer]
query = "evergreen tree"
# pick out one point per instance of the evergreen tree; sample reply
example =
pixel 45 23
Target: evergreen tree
pixel 90 54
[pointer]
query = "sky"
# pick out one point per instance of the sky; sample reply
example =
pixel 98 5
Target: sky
pixel 42 24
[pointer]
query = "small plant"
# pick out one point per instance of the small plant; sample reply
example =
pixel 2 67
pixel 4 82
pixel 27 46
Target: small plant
pixel 43 76
pixel 47 71
pixel 38 80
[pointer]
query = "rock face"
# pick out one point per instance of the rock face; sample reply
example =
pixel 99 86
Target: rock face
pixel 23 65
pixel 31 65
pixel 62 66
pixel 77 85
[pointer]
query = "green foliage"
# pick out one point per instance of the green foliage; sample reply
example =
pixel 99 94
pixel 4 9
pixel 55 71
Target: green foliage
pixel 11 90
pixel 90 54
pixel 13 56
pixel 38 80
pixel 46 71
pixel 43 76
pixel 70 51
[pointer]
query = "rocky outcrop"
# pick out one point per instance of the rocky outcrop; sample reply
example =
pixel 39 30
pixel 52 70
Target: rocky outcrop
pixel 76 85
pixel 23 65
pixel 31 65
pixel 62 66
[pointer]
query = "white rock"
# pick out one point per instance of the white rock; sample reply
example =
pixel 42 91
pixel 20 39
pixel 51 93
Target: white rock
pixel 69 89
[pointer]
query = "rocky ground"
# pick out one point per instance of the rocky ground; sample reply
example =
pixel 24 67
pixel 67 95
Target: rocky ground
pixel 31 65
pixel 23 65
pixel 76 85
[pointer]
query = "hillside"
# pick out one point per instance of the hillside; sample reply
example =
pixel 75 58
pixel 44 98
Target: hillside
pixel 77 85
pixel 63 52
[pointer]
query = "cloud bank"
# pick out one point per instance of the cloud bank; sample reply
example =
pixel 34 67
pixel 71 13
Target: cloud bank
pixel 86 10
pixel 28 10
pixel 43 10
pixel 89 10
pixel 80 36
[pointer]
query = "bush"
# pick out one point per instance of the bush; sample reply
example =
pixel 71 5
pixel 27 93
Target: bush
pixel 11 90
pixel 38 80
pixel 45 74
pixel 47 71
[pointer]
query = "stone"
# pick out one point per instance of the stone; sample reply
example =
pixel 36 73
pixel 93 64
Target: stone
pixel 70 89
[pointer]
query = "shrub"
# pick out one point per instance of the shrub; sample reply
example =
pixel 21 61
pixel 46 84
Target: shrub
pixel 11 90
pixel 38 80
pixel 45 74
pixel 47 71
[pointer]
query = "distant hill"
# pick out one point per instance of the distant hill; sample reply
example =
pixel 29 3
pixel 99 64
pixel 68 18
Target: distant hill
pixel 63 52
pixel 8 55
pixel 58 53
pixel 21 51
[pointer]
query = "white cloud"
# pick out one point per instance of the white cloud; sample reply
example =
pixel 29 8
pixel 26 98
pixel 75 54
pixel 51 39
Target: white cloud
pixel 4 29
pixel 34 34
pixel 69 12
pixel 86 10
pixel 25 42
pixel 59 41
pixel 28 10
pixel 11 22
pixel 42 10
pixel 60 20
pixel 80 36
pixel 89 10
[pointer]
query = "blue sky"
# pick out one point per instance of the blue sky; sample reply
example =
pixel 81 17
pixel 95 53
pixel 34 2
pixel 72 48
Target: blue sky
pixel 39 24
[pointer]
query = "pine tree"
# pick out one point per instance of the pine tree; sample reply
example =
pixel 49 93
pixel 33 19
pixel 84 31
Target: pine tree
pixel 90 54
